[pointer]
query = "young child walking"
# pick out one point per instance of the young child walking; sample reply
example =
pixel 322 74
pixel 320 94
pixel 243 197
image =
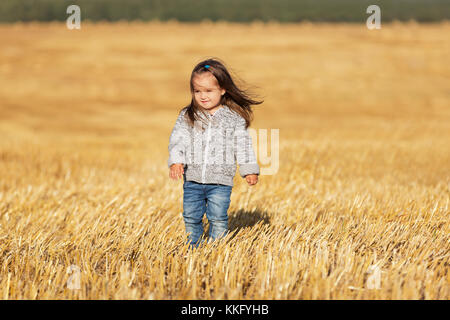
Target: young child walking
pixel 210 135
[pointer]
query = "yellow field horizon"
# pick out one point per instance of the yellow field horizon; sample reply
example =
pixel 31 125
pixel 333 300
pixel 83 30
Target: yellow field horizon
pixel 364 176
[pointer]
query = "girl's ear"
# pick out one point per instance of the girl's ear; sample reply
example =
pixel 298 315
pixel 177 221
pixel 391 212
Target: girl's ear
pixel 223 92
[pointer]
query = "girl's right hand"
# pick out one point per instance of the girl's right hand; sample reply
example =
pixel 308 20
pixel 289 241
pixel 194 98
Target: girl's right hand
pixel 176 171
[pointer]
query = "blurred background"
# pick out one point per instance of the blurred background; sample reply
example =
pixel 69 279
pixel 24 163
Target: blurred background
pixel 85 119
pixel 227 10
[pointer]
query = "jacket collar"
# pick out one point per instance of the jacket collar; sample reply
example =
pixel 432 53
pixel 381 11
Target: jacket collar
pixel 218 111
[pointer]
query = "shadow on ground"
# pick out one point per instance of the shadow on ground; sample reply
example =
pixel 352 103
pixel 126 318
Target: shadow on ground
pixel 241 219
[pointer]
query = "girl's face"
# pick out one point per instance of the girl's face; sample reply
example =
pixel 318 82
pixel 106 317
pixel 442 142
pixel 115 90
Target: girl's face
pixel 207 92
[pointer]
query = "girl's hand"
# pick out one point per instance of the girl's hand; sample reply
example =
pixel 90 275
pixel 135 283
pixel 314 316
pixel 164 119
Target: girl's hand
pixel 176 171
pixel 251 179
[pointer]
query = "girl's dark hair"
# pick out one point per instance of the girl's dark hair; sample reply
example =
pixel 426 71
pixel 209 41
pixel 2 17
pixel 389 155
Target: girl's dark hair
pixel 235 98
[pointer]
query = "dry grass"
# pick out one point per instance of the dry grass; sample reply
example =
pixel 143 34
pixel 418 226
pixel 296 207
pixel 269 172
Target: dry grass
pixel 364 121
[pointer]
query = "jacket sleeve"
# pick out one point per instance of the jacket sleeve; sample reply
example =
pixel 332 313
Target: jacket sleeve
pixel 177 145
pixel 244 153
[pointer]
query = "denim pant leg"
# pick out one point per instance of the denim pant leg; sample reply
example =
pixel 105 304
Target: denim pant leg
pixel 218 200
pixel 194 207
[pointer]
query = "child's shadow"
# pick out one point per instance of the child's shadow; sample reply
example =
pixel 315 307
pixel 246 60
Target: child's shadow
pixel 242 218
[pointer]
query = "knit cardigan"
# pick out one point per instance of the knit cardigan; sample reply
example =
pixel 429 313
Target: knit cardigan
pixel 211 148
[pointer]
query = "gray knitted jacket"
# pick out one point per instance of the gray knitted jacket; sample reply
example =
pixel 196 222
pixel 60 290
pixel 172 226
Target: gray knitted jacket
pixel 211 149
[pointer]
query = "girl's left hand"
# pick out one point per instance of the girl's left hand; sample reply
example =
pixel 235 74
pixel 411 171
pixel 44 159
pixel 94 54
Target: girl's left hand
pixel 251 179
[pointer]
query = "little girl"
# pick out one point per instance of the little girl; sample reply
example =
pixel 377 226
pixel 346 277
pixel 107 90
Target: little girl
pixel 210 135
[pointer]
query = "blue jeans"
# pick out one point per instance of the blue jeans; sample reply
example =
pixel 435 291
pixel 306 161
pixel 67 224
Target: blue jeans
pixel 198 198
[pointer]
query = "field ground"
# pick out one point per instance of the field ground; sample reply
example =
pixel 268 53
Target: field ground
pixel 364 120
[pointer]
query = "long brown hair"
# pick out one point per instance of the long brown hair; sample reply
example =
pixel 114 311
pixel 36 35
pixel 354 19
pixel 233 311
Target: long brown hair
pixel 235 98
